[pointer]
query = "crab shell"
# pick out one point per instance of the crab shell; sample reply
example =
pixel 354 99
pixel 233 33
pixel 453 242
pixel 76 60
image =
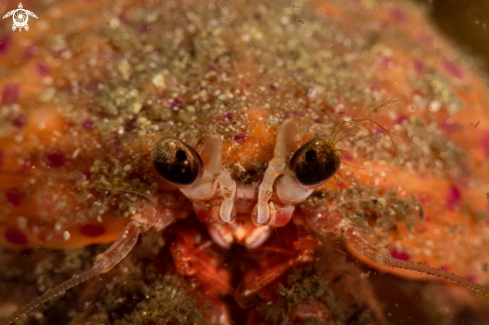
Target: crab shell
pixel 81 110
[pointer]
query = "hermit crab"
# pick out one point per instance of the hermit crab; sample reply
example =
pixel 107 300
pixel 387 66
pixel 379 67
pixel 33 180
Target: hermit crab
pixel 240 158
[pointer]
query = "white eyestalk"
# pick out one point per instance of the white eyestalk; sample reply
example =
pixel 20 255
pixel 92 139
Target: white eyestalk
pixel 289 191
pixel 214 173
pixel 276 167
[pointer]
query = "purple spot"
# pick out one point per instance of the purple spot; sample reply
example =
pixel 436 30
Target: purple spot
pixel 452 69
pixel 175 104
pixel 10 93
pixel 317 121
pixel 27 165
pixel 346 156
pixel 400 118
pixel 385 61
pixel 485 143
pixel 15 196
pixel 20 121
pixel 448 125
pixel 453 197
pixel 29 53
pixel 445 268
pixel 86 176
pixel 273 87
pixel 16 237
pixel 227 116
pixel 240 138
pixel 87 124
pixel 143 28
pixel 400 256
pixel 425 39
pixel 55 159
pixel 298 113
pixel 4 44
pixel 92 230
pixel 398 15
pixel 471 278
pixel 42 69
pixel 418 66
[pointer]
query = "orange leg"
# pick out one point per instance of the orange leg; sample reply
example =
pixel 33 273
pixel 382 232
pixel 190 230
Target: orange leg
pixel 247 291
pixel 104 262
pixel 359 244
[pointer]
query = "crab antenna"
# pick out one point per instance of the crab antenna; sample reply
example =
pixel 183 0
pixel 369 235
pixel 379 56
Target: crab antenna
pixel 103 262
pixel 408 265
pixel 82 277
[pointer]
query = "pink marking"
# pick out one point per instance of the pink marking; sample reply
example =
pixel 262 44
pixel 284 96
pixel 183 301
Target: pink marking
pixel 298 113
pixel 87 124
pixel 452 69
pixel 91 230
pixel 423 197
pixel 4 44
pixel 20 121
pixel 418 66
pixel 398 15
pixel 15 196
pixel 27 165
pixel 445 268
pixel 16 237
pixel 29 52
pixel 240 138
pixel 346 156
pixel 485 143
pixel 317 121
pixel 227 116
pixel 385 61
pixel 10 93
pixel 273 87
pixel 453 197
pixel 42 69
pixel 449 125
pixel 425 39
pixel 86 176
pixel 55 159
pixel 175 104
pixel 400 256
pixel 400 118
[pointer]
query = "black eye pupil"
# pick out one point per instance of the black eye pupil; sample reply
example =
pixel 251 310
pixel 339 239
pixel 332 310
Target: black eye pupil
pixel 315 162
pixel 181 156
pixel 311 156
pixel 176 162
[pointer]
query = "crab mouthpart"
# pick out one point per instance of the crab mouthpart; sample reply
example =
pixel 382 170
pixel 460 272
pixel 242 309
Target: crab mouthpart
pixel 242 232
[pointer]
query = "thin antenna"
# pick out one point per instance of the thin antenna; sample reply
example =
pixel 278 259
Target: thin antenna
pixel 408 265
pixel 77 279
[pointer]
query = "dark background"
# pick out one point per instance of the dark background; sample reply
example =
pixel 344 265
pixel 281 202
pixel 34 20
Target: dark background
pixel 466 22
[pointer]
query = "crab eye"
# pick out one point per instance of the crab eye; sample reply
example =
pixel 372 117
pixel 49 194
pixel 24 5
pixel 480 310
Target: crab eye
pixel 315 162
pixel 176 162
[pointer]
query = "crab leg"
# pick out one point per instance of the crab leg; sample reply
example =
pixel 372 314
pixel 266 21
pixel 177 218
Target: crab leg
pixel 381 256
pixel 104 262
